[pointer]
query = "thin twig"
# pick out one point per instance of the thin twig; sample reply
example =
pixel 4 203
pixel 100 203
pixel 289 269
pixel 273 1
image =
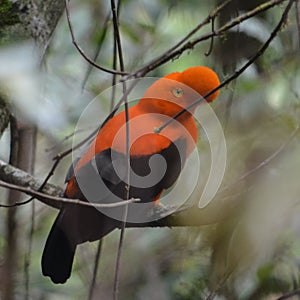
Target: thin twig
pixel 114 76
pixel 65 153
pixel 51 172
pixel 61 200
pixel 97 52
pixel 65 139
pixel 127 187
pixel 80 50
pixel 95 271
pixel 211 45
pixel 289 295
pixel 264 162
pixel 16 203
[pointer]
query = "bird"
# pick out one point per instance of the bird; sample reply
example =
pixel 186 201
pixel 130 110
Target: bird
pixel 99 175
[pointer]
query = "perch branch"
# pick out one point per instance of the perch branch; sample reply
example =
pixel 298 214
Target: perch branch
pixel 46 198
pixel 185 216
pixel 16 179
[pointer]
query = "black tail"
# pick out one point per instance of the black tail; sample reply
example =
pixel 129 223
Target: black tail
pixel 73 226
pixel 58 255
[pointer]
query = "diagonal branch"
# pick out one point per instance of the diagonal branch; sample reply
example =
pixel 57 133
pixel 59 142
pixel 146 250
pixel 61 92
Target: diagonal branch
pixel 161 57
pixel 169 55
pixel 238 72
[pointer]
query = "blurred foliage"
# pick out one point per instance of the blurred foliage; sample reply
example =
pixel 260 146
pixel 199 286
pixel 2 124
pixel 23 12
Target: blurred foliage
pixel 254 252
pixel 8 16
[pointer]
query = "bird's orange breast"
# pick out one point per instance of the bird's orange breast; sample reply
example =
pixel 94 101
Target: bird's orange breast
pixel 142 137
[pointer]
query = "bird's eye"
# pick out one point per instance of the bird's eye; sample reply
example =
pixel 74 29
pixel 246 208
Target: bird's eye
pixel 177 92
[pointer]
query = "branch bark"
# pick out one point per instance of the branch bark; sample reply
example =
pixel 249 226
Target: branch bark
pixel 25 19
pixel 13 175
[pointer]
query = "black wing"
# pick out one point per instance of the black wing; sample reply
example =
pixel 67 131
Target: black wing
pixel 104 176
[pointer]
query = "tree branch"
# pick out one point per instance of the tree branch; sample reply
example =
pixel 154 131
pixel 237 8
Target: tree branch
pixel 17 177
pixel 46 198
pixel 14 178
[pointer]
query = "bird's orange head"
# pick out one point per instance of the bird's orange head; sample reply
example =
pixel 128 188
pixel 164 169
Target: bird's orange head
pixel 178 90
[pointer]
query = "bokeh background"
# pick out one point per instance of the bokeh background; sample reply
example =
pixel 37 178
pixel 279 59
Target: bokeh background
pixel 252 249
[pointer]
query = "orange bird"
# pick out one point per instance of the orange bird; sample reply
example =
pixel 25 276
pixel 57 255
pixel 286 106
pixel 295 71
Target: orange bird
pixel 100 174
